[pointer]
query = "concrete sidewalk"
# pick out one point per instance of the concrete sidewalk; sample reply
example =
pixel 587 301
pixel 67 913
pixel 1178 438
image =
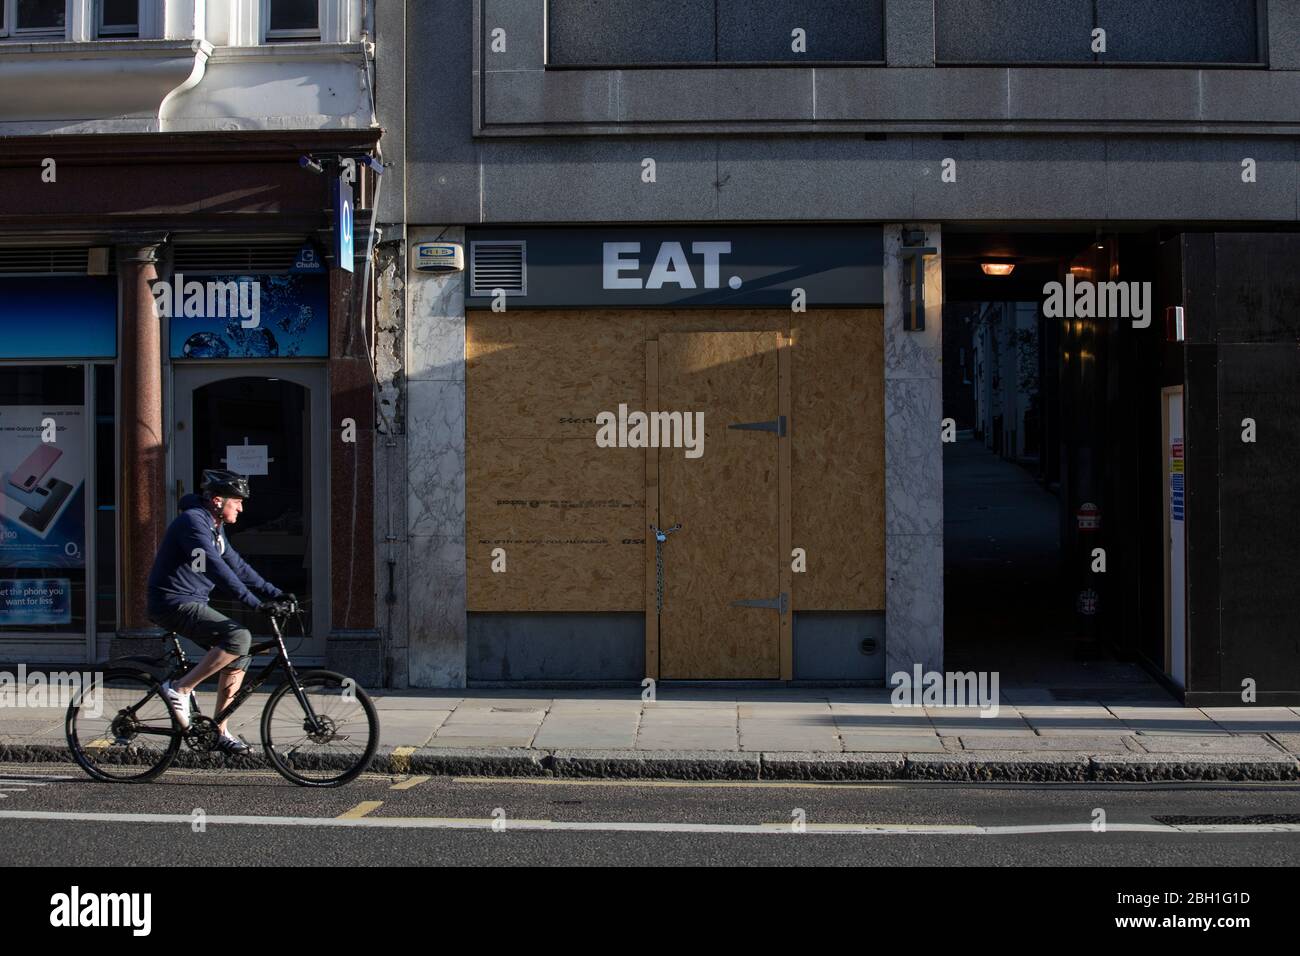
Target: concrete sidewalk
pixel 851 733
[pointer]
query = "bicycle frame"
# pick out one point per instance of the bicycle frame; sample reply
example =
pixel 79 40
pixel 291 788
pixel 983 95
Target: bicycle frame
pixel 279 662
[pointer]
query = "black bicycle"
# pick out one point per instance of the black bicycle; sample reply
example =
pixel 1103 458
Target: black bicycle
pixel 319 729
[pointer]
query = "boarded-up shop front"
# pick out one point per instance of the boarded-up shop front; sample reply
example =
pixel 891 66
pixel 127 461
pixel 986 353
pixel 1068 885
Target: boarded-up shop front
pixel 722 386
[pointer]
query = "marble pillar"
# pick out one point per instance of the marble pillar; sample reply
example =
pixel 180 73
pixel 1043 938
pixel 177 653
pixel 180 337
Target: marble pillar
pixel 435 455
pixel 913 464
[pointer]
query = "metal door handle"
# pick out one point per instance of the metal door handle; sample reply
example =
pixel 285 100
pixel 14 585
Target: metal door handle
pixel 775 425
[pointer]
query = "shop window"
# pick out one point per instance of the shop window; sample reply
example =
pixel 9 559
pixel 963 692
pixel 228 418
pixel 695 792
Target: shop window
pixel 118 19
pixel 620 33
pixel 32 19
pixel 291 20
pixel 1197 32
pixel 1180 31
pixel 43 488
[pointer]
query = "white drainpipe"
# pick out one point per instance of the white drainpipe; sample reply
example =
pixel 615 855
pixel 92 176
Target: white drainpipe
pixel 202 50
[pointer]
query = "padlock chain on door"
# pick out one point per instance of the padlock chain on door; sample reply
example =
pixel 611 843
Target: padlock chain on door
pixel 660 538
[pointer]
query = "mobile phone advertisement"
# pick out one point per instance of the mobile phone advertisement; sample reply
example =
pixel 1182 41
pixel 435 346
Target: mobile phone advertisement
pixel 42 510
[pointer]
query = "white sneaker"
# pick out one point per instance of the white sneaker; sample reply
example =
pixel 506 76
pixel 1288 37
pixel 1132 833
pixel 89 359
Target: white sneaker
pixel 179 703
pixel 229 744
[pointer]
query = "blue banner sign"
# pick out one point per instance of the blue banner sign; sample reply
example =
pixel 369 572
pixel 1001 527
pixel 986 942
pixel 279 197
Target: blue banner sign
pixel 58 317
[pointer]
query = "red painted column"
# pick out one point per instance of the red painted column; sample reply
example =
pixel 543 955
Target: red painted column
pixel 141 492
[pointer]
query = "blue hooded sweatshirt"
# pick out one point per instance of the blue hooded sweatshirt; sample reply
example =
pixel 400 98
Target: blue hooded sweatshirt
pixel 173 580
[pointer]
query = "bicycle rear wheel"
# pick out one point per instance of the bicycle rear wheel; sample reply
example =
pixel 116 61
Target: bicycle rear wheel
pixel 120 729
pixel 337 754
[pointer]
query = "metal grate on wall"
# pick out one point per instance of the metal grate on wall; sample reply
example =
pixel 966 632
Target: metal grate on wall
pixel 46 260
pixel 229 257
pixel 498 265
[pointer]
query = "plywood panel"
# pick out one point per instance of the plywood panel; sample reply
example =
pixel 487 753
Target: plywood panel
pixel 838 439
pixel 651 518
pixel 547 374
pixel 785 491
pixel 727 503
pixel 568 514
pixel 722 320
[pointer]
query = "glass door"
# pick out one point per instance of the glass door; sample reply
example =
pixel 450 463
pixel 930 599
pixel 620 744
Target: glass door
pixel 269 424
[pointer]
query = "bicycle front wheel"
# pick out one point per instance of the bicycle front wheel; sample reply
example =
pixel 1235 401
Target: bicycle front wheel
pixel 331 752
pixel 120 729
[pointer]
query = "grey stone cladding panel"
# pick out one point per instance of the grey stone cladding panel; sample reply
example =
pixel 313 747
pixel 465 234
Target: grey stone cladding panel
pixel 1007 177
pixel 599 181
pixel 814 177
pixel 705 96
pixel 1153 178
pixel 554 96
pixel 524 39
pixel 909 32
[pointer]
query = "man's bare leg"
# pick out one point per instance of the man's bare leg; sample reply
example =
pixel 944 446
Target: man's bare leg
pixel 227 686
pixel 213 661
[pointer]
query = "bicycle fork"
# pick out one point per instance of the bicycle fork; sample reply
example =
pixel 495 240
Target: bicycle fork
pixel 313 723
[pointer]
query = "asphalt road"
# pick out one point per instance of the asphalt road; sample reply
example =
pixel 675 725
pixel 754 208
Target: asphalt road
pixel 379 820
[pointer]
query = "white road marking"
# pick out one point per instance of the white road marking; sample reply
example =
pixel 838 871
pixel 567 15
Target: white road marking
pixel 612 826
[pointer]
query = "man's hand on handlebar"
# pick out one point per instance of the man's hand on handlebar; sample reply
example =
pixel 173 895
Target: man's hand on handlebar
pixel 283 606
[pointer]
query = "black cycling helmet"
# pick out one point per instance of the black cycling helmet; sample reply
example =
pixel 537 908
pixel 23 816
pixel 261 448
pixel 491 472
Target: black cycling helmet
pixel 227 484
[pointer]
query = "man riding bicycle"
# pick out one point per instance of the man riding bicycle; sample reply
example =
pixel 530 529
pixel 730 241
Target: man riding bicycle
pixel 193 558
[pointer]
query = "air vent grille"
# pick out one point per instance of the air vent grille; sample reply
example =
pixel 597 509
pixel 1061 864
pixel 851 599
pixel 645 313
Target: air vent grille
pixel 229 257
pixel 48 260
pixel 498 265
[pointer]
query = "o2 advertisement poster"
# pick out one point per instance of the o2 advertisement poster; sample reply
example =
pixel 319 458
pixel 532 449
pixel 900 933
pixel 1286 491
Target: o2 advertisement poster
pixel 42 510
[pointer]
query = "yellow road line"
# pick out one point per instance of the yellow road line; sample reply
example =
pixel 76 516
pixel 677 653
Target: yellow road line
pixel 361 809
pixel 408 784
pixel 101 742
pixel 402 759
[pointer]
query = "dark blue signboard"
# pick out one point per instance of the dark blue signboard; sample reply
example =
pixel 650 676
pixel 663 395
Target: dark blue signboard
pixel 685 266
pixel 58 317
pixel 249 316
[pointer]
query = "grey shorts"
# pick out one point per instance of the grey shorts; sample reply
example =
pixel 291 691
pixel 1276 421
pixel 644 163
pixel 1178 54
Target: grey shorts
pixel 208 629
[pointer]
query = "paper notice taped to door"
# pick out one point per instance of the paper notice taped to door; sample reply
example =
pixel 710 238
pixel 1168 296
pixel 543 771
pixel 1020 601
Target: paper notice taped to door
pixel 246 459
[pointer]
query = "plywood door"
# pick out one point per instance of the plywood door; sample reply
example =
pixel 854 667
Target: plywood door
pixel 728 503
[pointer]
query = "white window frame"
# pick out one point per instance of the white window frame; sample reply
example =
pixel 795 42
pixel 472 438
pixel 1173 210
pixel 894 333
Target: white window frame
pixel 277 36
pixel 11 31
pixel 109 33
